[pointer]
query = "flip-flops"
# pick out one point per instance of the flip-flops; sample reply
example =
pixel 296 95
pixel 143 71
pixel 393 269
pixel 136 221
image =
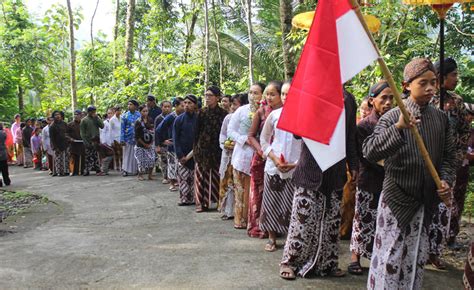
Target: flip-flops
pixel 290 274
pixel 271 246
pixel 354 268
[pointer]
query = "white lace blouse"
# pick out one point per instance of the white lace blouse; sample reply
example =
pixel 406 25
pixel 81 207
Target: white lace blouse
pixel 283 144
pixel 238 130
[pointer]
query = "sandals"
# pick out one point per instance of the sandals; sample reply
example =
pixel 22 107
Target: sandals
pixel 173 188
pixel 271 246
pixel 240 227
pixel 437 263
pixel 354 268
pixel 337 273
pixel 165 181
pixel 287 273
pixel 226 218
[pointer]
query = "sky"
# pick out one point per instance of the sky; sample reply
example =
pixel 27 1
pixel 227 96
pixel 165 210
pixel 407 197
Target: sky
pixel 104 19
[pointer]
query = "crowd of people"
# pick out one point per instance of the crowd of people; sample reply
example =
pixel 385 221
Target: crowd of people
pixel 231 156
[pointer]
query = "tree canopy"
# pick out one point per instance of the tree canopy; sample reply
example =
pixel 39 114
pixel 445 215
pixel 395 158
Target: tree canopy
pixel 167 55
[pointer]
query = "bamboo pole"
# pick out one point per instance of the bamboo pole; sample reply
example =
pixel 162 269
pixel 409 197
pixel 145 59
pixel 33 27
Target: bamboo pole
pixel 388 76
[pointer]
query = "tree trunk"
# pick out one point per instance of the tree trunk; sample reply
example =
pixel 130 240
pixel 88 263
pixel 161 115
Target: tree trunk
pixel 286 13
pixel 73 58
pixel 92 101
pixel 218 42
pixel 247 5
pixel 130 27
pixel 116 26
pixel 21 102
pixel 206 44
pixel 190 36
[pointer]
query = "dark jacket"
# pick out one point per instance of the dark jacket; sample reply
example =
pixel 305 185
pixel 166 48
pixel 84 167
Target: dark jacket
pixel 26 136
pixel 57 133
pixel 371 174
pixel 183 136
pixel 165 130
pixel 74 133
pixel 307 173
pixel 207 151
pixel 153 113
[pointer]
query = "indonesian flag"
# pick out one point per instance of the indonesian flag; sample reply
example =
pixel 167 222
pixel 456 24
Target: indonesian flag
pixel 337 48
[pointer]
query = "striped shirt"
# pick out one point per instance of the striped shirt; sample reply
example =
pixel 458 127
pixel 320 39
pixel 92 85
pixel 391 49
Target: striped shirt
pixel 408 184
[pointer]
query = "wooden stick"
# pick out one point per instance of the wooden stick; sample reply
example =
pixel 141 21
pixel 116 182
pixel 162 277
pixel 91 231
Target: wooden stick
pixel 388 76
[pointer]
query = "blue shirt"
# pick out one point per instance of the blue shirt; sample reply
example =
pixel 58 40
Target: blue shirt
pixel 127 130
pixel 183 136
pixel 164 131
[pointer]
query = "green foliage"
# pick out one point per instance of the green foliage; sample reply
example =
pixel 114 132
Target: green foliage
pixel 469 202
pixel 34 53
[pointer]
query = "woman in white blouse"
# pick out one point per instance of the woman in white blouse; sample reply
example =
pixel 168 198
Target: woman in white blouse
pixel 114 137
pixel 226 190
pixel 242 156
pixel 282 151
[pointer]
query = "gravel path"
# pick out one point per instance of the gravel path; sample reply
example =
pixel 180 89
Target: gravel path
pixel 116 232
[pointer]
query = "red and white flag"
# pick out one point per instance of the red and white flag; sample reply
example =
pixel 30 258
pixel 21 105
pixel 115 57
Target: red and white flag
pixel 337 48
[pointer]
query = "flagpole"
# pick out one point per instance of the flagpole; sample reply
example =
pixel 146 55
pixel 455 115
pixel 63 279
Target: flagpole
pixel 389 78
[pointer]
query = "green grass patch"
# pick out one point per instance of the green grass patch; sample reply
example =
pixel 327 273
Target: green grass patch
pixel 15 202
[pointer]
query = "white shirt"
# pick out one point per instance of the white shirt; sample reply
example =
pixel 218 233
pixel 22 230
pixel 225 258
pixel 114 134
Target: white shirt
pixel 114 129
pixel 105 133
pixel 14 127
pixel 283 144
pixel 238 130
pixel 46 140
pixel 226 154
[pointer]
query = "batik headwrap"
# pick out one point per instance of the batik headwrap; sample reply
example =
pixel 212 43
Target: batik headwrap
pixel 416 68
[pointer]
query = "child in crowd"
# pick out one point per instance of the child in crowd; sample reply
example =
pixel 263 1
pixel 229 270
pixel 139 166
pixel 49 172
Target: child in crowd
pixel 36 148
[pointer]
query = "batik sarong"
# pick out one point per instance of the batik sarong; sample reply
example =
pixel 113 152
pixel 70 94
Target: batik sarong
pixel 276 204
pixel 226 193
pixel 241 201
pixel 92 160
pixel 61 162
pixel 399 255
pixel 163 162
pixel 255 197
pixel 459 194
pixel 363 227
pixel 27 157
pixel 438 229
pixel 172 165
pixel 206 187
pixel 186 184
pixel 312 243
pixel 145 158
pixel 19 154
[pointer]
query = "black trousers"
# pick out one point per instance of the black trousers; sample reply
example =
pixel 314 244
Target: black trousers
pixel 4 170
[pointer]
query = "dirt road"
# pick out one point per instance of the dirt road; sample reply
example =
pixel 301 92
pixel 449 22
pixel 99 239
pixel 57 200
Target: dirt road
pixel 116 232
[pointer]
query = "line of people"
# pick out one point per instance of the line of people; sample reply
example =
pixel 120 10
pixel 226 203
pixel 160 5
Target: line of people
pixel 231 156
